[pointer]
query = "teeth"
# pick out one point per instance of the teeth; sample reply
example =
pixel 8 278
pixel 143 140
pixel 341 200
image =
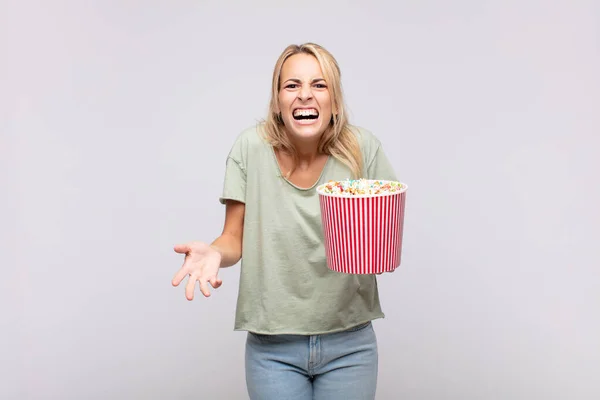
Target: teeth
pixel 305 112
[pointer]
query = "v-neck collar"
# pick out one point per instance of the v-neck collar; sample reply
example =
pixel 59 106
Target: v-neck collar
pixel 276 161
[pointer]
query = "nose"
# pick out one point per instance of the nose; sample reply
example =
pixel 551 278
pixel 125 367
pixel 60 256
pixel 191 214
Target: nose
pixel 305 93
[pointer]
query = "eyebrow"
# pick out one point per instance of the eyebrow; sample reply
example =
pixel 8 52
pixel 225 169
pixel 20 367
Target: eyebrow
pixel 296 80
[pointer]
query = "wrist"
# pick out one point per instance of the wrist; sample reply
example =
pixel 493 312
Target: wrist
pixel 217 250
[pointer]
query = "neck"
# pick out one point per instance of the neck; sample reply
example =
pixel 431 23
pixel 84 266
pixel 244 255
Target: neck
pixel 306 151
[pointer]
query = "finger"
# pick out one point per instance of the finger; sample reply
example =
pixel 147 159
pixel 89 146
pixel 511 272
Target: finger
pixel 182 248
pixel 215 282
pixel 183 271
pixel 190 287
pixel 204 287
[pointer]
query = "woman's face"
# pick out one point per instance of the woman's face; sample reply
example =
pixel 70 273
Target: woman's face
pixel 304 100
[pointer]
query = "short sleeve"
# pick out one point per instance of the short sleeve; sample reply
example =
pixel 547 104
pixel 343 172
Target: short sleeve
pixel 234 185
pixel 380 167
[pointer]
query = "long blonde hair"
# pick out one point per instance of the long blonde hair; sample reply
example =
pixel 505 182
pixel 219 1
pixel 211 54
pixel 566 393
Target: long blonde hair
pixel 337 140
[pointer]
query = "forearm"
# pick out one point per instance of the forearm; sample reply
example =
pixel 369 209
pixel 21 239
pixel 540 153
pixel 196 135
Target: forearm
pixel 230 248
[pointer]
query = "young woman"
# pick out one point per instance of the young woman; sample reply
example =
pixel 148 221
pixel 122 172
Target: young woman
pixel 309 328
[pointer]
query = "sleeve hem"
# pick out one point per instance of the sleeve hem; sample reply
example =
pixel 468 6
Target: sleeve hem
pixel 223 199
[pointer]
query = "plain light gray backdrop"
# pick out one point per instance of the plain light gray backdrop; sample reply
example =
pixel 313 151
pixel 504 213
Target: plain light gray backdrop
pixel 117 116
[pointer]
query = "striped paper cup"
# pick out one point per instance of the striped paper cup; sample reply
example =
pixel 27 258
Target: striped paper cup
pixel 363 233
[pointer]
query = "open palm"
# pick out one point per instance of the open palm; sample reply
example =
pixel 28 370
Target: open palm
pixel 201 263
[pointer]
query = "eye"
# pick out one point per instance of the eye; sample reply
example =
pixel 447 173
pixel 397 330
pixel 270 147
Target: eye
pixel 321 86
pixel 291 86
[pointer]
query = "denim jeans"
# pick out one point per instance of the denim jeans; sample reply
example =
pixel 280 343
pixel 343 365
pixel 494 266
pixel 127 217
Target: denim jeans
pixel 333 366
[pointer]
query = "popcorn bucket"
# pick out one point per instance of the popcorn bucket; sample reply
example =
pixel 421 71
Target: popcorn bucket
pixel 363 223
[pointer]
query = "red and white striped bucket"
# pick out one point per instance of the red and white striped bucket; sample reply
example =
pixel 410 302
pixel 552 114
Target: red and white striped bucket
pixel 363 233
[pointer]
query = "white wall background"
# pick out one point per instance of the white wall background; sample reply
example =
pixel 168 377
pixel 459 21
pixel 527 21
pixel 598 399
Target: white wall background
pixel 116 118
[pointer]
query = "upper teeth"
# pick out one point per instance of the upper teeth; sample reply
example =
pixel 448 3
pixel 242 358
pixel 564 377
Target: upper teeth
pixel 311 111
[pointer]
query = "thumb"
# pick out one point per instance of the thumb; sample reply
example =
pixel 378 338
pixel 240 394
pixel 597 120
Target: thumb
pixel 181 248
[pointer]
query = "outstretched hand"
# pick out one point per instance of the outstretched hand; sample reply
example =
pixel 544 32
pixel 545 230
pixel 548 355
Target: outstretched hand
pixel 201 263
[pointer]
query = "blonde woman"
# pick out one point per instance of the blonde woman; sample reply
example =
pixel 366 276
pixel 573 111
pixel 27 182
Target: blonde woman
pixel 309 329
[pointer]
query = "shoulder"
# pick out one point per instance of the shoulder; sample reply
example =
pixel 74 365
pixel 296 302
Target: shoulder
pixel 246 142
pixel 367 140
pixel 365 136
pixel 251 136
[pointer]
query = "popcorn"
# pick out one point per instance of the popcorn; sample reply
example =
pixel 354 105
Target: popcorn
pixel 363 224
pixel 361 187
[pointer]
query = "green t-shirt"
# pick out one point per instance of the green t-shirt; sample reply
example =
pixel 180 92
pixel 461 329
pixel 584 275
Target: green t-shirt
pixel 285 285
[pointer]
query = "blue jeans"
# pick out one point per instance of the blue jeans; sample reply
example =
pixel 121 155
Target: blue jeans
pixel 332 366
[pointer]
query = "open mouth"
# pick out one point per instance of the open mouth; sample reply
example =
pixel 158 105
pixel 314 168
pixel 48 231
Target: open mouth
pixel 302 114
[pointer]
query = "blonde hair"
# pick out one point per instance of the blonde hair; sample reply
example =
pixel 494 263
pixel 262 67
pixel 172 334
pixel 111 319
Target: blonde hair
pixel 337 140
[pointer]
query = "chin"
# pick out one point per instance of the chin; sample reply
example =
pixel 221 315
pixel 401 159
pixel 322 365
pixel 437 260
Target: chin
pixel 304 131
